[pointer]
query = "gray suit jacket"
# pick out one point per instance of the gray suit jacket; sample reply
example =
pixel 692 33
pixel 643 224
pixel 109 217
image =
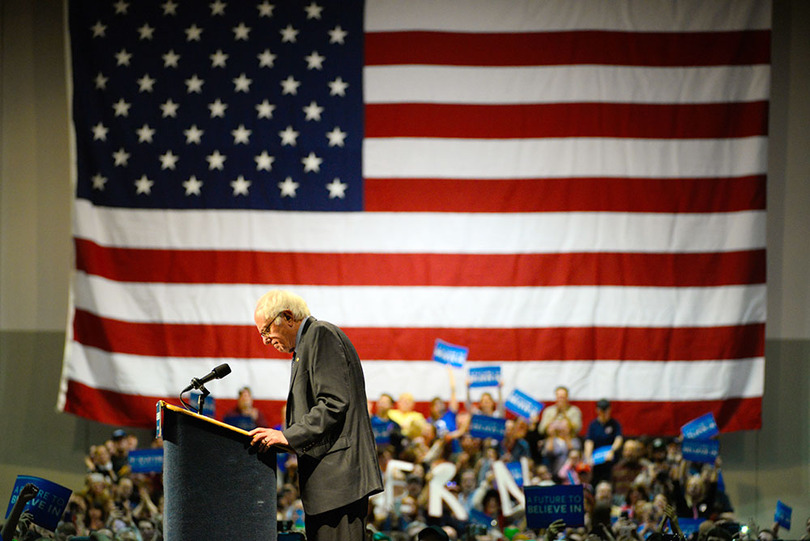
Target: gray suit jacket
pixel 327 421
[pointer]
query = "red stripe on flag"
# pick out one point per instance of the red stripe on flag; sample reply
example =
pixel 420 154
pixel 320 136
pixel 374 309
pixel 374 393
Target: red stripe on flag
pixel 568 48
pixel 637 418
pixel 456 270
pixel 621 120
pixel 416 344
pixel 566 194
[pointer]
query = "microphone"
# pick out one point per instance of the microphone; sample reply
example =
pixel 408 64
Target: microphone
pixel 217 373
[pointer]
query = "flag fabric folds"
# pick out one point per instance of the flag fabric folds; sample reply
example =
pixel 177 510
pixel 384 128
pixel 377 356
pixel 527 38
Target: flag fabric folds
pixel 574 191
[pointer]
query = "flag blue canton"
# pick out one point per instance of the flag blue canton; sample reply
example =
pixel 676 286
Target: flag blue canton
pixel 220 105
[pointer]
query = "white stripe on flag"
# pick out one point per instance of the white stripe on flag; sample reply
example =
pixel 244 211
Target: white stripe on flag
pixel 588 380
pixel 555 15
pixel 477 307
pixel 566 157
pixel 564 84
pixel 459 233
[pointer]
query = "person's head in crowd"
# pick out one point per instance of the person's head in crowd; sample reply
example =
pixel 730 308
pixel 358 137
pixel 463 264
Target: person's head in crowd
pixel 414 484
pixel 766 535
pixel 64 531
pixel 487 404
pixel 470 445
pixel 468 481
pixel 584 472
pixel 543 474
pixel 521 427
pixel 632 451
pixel 244 401
pixel 409 508
pixel 718 533
pixel 603 410
pixel 695 488
pixel 491 503
pixel 147 529
pixel 120 443
pixel 384 404
pixel 432 533
pixel 561 398
pixel 658 450
pixel 636 493
pixel 100 455
pixel 406 402
pixel 600 517
pixel 603 492
pixel 559 428
pixel 437 408
pixel 660 503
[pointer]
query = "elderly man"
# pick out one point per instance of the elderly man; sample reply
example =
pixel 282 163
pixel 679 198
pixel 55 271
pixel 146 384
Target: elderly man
pixel 327 423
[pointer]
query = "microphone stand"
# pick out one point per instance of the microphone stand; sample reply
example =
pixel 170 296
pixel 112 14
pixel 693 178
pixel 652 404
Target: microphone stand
pixel 203 394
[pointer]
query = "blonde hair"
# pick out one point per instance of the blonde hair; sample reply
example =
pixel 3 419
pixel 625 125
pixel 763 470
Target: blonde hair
pixel 279 300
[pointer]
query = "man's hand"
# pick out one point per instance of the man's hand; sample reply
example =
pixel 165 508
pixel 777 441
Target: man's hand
pixel 265 438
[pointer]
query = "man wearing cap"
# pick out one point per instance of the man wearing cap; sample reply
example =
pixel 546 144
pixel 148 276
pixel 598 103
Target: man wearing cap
pixel 604 431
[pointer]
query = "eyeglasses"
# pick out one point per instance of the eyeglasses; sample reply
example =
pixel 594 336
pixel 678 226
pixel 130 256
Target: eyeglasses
pixel 265 332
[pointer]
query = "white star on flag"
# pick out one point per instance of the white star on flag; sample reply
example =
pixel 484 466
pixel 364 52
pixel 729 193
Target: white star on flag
pixel 312 163
pixel 240 185
pixel 337 188
pixel 288 187
pixel 144 185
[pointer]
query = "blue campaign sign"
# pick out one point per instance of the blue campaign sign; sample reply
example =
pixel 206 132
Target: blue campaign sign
pixel 704 451
pixel 483 426
pixel 485 376
pixel 245 422
pixel 600 454
pixel 702 428
pixel 382 430
pixel 516 470
pixel 146 460
pixel 447 353
pixel 689 526
pixel 478 517
pixel 522 404
pixel 209 405
pixel 783 514
pixel 545 504
pixel 47 506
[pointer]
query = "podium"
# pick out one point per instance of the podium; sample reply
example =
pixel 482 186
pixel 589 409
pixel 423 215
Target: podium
pixel 216 485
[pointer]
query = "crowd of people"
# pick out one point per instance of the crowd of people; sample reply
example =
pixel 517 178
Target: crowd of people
pixel 640 488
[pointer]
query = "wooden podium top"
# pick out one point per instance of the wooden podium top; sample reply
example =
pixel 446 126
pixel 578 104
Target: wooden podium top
pixel 162 405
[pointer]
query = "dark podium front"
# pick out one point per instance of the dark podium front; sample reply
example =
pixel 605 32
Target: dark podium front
pixel 216 486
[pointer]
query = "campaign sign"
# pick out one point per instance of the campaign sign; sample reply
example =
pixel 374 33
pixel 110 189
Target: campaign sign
pixel 47 506
pixel 485 376
pixel 702 428
pixel 447 353
pixel 208 403
pixel 146 460
pixel 600 454
pixel 704 451
pixel 480 518
pixel 545 504
pixel 689 526
pixel 522 404
pixel 245 422
pixel 483 426
pixel 382 430
pixel 783 514
pixel 516 469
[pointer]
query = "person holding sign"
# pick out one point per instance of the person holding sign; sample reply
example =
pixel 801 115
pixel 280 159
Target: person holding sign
pixel 561 409
pixel 327 423
pixel 604 433
pixel 28 493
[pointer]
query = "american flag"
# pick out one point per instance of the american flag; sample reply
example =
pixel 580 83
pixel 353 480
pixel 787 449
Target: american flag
pixel 575 191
